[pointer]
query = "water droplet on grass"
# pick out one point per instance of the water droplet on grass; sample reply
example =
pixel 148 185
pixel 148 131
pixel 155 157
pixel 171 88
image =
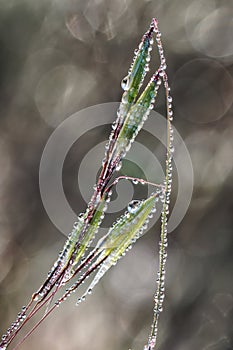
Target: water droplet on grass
pixel 133 206
pixel 118 167
pixel 125 83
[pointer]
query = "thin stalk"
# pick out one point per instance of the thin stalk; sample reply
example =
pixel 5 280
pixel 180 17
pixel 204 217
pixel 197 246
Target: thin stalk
pixel 160 290
pixel 59 301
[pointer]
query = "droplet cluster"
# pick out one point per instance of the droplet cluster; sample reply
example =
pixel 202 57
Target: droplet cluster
pixel 14 326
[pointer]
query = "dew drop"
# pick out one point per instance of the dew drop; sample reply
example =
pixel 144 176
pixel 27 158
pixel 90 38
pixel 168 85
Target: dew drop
pixel 118 167
pixel 161 196
pixel 35 297
pixel 133 206
pixel 125 83
pixel 140 46
pixel 152 342
pixel 160 309
pixel 172 149
pixel 169 99
pixel 81 217
pixel 114 125
pixel 151 106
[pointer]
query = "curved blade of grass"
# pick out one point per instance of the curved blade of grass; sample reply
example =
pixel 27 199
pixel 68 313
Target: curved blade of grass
pixel 120 237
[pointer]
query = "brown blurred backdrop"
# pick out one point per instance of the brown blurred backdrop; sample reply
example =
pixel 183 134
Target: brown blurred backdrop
pixel 57 57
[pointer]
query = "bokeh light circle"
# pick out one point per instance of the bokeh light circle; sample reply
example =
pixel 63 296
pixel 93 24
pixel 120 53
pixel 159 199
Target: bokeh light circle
pixel 202 89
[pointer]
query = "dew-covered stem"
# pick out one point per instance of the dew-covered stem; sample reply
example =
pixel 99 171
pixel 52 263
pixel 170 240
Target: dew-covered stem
pixel 76 259
pixel 160 290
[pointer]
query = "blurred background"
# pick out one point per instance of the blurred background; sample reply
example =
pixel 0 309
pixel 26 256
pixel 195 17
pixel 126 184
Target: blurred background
pixel 58 57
